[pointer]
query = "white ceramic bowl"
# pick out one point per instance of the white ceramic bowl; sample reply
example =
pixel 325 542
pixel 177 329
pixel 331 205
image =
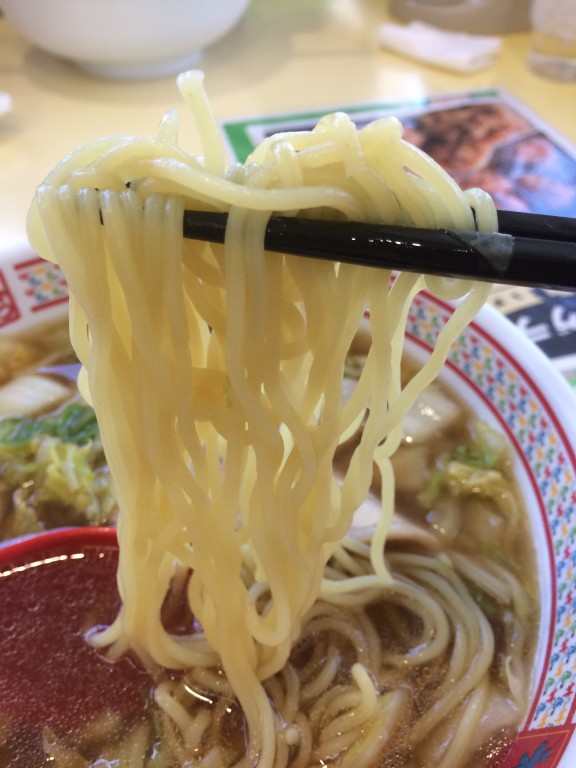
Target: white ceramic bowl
pixel 514 387
pixel 129 39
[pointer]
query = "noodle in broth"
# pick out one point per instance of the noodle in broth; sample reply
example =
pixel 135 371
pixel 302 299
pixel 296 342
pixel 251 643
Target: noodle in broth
pixel 216 376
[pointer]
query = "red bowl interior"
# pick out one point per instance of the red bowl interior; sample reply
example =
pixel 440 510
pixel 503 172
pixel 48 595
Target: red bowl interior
pixel 55 588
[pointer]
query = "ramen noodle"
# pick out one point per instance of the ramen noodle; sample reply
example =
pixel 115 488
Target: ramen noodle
pixel 216 375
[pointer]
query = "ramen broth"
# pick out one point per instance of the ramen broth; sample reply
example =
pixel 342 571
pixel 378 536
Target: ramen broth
pixel 64 703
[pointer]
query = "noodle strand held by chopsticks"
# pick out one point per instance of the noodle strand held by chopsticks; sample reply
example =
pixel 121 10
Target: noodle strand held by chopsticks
pixel 216 371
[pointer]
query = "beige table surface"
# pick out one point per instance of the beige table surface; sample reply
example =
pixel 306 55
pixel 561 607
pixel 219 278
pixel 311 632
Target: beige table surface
pixel 285 55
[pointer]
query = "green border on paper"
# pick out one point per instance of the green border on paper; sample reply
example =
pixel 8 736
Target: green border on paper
pixel 244 134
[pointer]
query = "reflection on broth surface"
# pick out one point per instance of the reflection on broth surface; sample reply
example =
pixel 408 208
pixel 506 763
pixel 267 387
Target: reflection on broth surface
pixel 454 632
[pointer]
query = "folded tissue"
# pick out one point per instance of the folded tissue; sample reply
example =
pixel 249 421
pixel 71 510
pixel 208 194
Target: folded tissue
pixel 456 51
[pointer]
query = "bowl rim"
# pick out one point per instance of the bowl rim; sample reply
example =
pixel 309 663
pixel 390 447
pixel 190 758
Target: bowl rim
pixel 73 536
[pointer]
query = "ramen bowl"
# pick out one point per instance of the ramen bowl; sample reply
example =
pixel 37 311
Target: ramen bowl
pixel 125 39
pixel 520 394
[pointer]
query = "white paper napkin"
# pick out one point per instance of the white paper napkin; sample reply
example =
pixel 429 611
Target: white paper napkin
pixel 5 102
pixel 457 51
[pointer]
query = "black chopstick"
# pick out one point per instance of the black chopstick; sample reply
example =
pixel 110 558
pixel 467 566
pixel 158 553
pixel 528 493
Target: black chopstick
pixel 540 226
pixel 530 249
